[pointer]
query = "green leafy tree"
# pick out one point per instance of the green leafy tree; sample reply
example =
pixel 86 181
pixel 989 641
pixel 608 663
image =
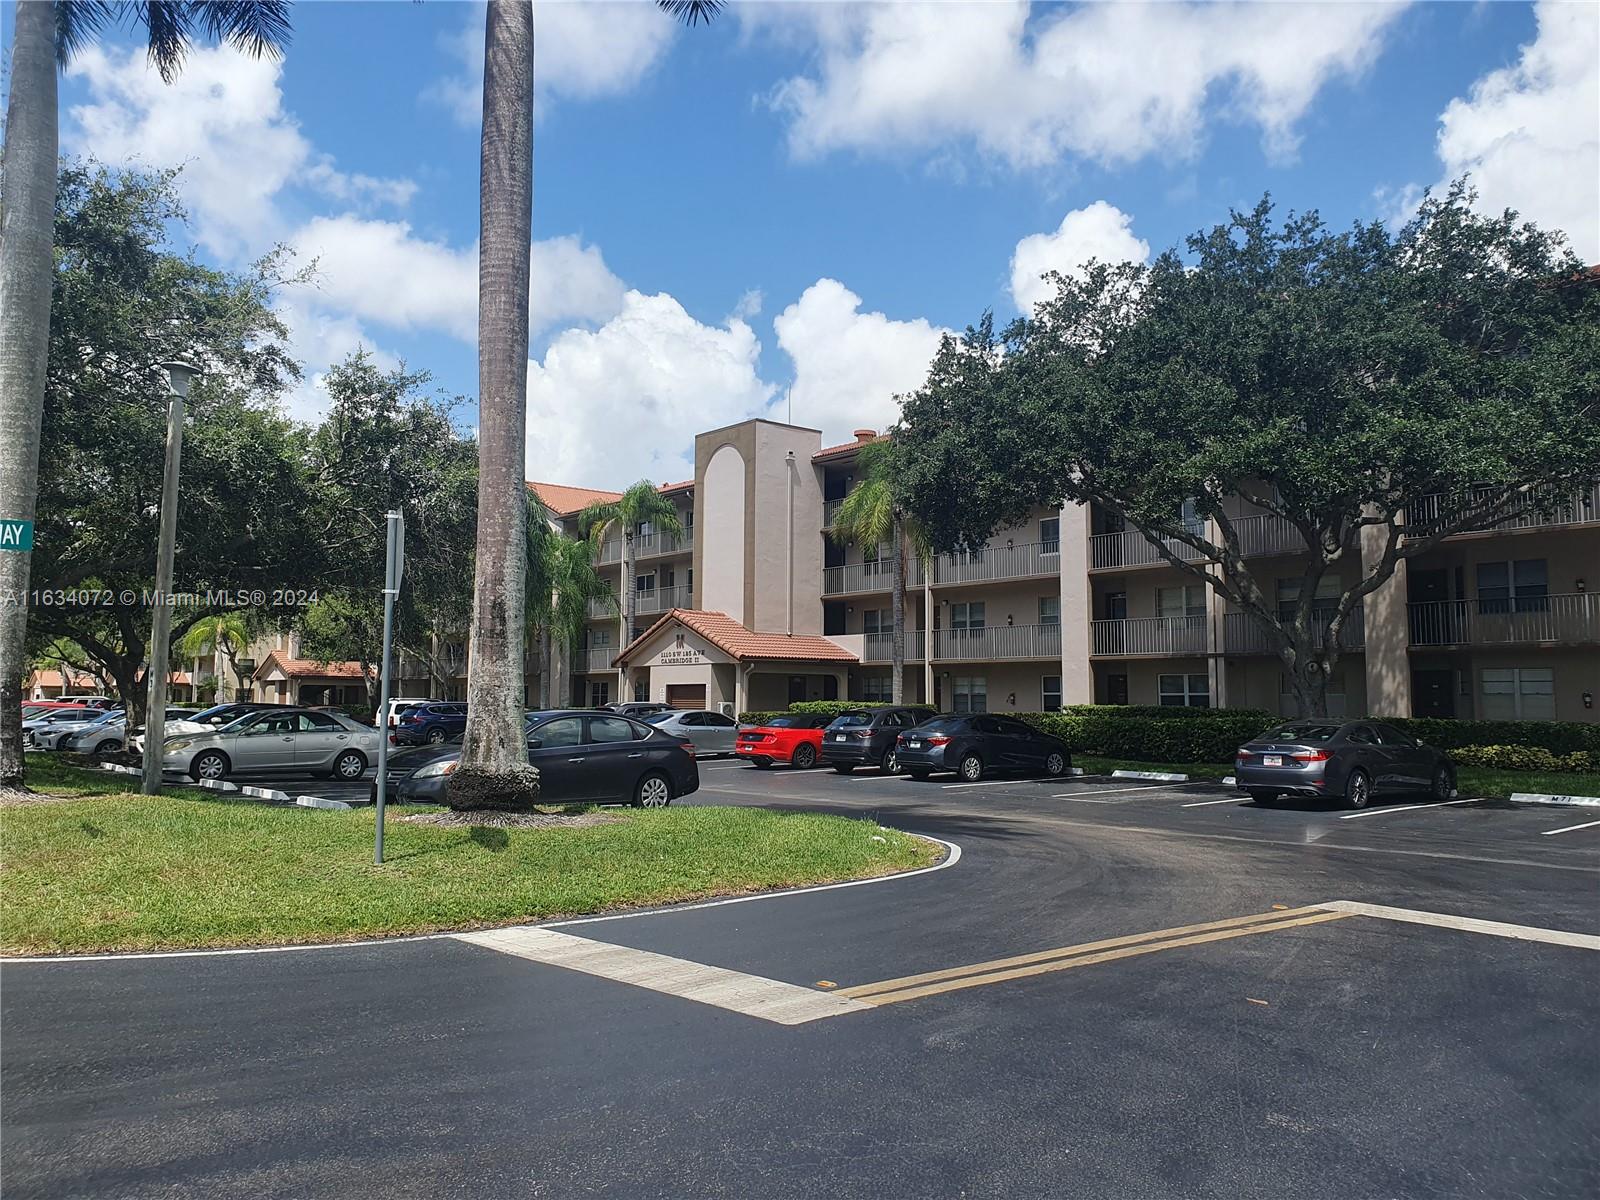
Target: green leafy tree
pixel 562 582
pixel 640 505
pixel 125 301
pixel 873 516
pixel 1336 381
pixel 494 767
pixel 43 36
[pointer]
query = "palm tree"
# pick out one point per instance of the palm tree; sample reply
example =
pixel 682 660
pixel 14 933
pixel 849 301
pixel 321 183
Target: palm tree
pixel 872 517
pixel 640 505
pixel 494 767
pixel 562 583
pixel 225 636
pixel 44 35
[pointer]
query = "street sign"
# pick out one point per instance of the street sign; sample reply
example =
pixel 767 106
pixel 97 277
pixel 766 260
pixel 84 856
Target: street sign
pixel 16 535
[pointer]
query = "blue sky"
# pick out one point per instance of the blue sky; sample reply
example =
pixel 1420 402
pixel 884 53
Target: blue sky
pixel 805 195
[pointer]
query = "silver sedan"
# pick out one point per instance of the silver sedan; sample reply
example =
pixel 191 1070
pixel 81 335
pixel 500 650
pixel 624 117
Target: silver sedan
pixel 298 740
pixel 711 732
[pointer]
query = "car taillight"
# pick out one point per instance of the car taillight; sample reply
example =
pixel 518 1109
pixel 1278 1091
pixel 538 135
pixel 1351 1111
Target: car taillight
pixel 688 746
pixel 938 739
pixel 1311 756
pixel 864 734
pixel 1242 755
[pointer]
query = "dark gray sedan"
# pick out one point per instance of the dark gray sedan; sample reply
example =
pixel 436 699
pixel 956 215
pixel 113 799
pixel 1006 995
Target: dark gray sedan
pixel 1348 761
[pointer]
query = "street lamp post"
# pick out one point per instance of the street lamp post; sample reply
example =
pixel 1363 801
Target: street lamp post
pixel 179 373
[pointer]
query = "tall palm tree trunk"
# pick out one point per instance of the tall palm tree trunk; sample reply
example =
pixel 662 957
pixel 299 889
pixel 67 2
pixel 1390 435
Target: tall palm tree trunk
pixel 897 639
pixel 27 228
pixel 630 601
pixel 546 665
pixel 494 769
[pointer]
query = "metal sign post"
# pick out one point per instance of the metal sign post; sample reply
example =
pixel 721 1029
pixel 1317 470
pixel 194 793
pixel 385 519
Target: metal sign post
pixel 394 562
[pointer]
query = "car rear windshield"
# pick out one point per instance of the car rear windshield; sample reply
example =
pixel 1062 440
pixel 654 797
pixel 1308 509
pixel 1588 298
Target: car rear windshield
pixel 943 724
pixel 1301 733
pixel 851 720
pixel 657 717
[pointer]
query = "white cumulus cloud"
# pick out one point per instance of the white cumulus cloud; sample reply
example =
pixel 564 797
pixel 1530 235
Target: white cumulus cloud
pixel 624 401
pixel 1530 133
pixel 1110 82
pixel 849 365
pixel 1099 231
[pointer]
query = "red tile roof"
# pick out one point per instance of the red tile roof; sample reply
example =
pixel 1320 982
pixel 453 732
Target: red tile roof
pixel 742 644
pixel 564 501
pixel 676 487
pixel 296 668
pixel 845 448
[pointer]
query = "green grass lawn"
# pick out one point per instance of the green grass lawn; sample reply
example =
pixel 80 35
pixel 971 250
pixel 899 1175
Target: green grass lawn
pixel 114 871
pixel 1470 781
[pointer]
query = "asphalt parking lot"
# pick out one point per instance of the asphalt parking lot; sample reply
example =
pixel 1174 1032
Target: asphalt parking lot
pixel 1119 988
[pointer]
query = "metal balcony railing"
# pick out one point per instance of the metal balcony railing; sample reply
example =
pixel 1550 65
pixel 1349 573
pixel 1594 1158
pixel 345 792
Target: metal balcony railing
pixel 997 642
pixel 600 607
pixel 661 600
pixel 1264 533
pixel 830 512
pixel 1543 508
pixel 598 659
pixel 999 562
pixel 1148 636
pixel 876 647
pixel 1569 619
pixel 1132 549
pixel 1242 635
pixel 653 545
pixel 867 577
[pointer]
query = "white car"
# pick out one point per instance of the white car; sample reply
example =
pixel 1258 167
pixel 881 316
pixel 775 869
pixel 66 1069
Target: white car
pixel 54 735
pixel 302 741
pixel 711 732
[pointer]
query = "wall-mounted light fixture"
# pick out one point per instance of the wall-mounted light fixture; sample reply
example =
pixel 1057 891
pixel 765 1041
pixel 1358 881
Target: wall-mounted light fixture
pixel 1581 586
pixel 1588 699
pixel 1011 699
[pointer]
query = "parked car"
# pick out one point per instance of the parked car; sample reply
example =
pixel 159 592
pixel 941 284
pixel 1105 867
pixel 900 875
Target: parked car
pixel 108 737
pixel 711 732
pixel 53 735
pixel 99 702
pixel 638 709
pixel 867 738
pixel 583 757
pixel 299 740
pixel 1351 761
pixel 794 738
pixel 429 724
pixel 398 705
pixel 207 720
pixel 33 726
pixel 974 745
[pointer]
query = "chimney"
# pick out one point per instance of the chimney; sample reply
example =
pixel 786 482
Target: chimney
pixel 865 435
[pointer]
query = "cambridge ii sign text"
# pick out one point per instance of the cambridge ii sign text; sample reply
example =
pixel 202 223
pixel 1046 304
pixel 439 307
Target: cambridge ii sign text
pixel 16 535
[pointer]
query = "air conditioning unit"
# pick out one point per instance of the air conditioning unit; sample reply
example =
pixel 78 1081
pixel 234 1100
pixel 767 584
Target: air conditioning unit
pixel 726 709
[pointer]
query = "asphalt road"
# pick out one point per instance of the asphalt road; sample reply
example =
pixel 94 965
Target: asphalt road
pixel 1332 1056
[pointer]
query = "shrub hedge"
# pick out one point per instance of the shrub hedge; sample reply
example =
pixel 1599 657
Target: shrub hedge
pixel 1150 733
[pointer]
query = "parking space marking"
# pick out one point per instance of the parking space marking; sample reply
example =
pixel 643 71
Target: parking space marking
pixel 1146 787
pixel 951 979
pixel 1383 812
pixel 1569 829
pixel 996 783
pixel 751 995
pixel 1224 800
pixel 1525 933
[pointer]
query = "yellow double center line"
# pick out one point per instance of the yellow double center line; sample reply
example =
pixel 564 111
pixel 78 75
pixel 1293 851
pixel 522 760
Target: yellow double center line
pixel 1042 962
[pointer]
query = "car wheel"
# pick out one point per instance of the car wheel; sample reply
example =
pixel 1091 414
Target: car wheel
pixel 805 756
pixel 844 768
pixel 917 772
pixel 654 791
pixel 970 768
pixel 889 764
pixel 1357 790
pixel 350 764
pixel 107 749
pixel 1055 764
pixel 1262 796
pixel 762 763
pixel 1444 784
pixel 436 737
pixel 213 764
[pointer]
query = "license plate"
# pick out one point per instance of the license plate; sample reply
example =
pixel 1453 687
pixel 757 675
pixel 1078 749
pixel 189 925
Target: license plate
pixel 914 745
pixel 838 737
pixel 1272 760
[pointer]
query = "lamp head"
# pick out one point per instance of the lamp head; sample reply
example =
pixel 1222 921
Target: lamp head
pixel 179 372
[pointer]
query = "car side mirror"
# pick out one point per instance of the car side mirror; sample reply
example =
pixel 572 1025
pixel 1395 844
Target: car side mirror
pixel 535 743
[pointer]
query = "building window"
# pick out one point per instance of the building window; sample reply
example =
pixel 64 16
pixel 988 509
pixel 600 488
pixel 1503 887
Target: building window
pixel 1519 586
pixel 876 689
pixel 645 584
pixel 1189 600
pixel 641 690
pixel 970 694
pixel 877 620
pixel 1185 691
pixel 1050 535
pixel 599 637
pixel 1518 693
pixel 1050 693
pixel 599 693
pixel 1049 610
pixel 1323 605
pixel 967 616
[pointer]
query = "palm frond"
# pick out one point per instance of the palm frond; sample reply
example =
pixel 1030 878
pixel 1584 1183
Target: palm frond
pixel 643 502
pixel 78 22
pixel 167 27
pixel 260 28
pixel 692 12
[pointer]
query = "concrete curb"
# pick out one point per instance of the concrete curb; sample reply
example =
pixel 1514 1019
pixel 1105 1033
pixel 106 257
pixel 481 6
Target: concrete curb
pixel 1074 770
pixel 265 793
pixel 217 785
pixel 119 769
pixel 319 802
pixel 1547 799
pixel 1160 776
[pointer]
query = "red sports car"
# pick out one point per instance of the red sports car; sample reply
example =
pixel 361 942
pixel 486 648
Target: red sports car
pixel 794 738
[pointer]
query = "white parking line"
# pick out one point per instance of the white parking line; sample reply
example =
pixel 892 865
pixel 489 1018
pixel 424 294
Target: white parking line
pixel 1383 812
pixel 1525 933
pixel 1148 787
pixel 995 783
pixel 1569 828
pixel 1225 800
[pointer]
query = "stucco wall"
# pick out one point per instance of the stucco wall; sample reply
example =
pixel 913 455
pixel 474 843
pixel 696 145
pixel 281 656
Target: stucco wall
pixel 720 580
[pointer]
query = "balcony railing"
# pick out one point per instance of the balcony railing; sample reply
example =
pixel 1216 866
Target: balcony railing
pixel 830 512
pixel 867 577
pixel 1265 533
pixel 1569 619
pixel 661 599
pixel 1241 634
pixel 598 659
pixel 1148 636
pixel 646 545
pixel 997 642
pixel 1543 508
pixel 601 607
pixel 1132 549
pixel 999 562
pixel 876 647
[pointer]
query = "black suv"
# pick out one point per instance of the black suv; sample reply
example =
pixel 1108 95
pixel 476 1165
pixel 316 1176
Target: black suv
pixel 866 737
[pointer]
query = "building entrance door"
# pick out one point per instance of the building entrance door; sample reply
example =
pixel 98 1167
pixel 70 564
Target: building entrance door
pixel 1433 693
